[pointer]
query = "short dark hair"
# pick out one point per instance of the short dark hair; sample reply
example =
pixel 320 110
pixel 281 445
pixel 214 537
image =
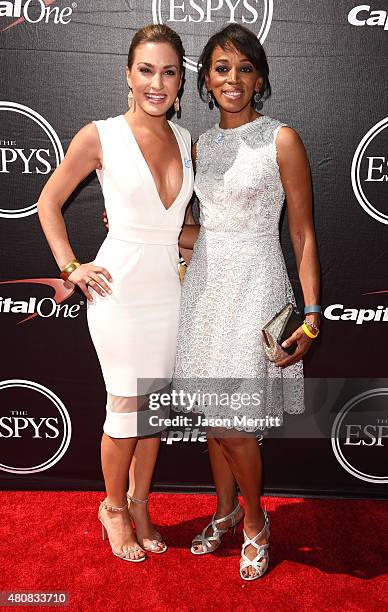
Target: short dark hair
pixel 245 41
pixel 157 33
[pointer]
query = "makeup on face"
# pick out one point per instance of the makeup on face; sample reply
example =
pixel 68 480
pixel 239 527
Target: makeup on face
pixel 232 79
pixel 155 77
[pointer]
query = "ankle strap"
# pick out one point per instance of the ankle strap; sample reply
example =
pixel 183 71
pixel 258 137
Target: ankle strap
pixel 135 499
pixel 232 516
pixel 103 504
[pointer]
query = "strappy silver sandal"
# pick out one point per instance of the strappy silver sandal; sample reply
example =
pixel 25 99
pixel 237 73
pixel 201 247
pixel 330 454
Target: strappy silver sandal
pixel 260 561
pixel 211 542
pixel 154 547
pixel 130 549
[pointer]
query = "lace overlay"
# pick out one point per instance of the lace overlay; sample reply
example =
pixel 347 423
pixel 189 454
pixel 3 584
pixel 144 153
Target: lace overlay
pixel 237 278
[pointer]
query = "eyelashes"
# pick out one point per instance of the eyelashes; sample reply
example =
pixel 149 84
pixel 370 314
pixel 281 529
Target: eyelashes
pixel 146 70
pixel 244 69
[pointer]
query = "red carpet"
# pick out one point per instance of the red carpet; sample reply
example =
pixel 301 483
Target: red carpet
pixel 325 555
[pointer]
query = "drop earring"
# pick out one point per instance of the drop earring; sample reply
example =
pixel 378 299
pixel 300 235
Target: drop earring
pixel 210 101
pixel 177 107
pixel 258 101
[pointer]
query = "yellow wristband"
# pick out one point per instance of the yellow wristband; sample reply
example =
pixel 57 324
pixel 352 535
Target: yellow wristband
pixel 308 332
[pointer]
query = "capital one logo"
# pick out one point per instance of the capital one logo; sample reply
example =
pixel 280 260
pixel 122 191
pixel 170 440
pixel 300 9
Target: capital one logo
pixel 200 19
pixel 358 316
pixel 359 436
pixel 35 427
pixel 362 15
pixel 33 11
pixel 369 173
pixel 31 307
pixel 30 150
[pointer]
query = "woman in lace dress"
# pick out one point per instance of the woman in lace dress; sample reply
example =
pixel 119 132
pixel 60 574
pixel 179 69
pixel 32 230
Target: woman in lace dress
pixel 237 280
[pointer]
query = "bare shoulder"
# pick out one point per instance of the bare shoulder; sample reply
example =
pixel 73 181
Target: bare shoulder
pixel 289 146
pixel 86 143
pixel 88 135
pixel 288 137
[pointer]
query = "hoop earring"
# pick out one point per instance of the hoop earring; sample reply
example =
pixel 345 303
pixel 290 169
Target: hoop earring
pixel 131 99
pixel 210 101
pixel 258 101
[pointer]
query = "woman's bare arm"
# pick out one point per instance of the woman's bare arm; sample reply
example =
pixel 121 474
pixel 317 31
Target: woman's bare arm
pixel 296 180
pixel 83 156
pixel 190 229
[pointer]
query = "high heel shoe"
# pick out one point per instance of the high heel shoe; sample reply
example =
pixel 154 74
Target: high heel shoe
pixel 260 561
pixel 211 542
pixel 130 549
pixel 154 547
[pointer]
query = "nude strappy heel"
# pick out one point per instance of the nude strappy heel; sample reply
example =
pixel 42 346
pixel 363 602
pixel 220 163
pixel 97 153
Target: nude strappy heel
pixel 154 547
pixel 211 542
pixel 131 549
pixel 260 561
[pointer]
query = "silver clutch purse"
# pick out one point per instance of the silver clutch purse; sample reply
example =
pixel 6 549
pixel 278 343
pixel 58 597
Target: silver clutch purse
pixel 278 329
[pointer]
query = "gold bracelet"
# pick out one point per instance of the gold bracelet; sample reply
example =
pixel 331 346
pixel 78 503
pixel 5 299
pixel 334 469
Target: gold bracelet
pixel 308 332
pixel 182 270
pixel 69 268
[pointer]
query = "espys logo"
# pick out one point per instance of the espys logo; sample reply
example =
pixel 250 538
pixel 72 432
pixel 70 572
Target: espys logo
pixel 35 427
pixel 369 173
pixel 34 11
pixel 45 307
pixel 184 15
pixel 25 160
pixel 363 16
pixel 359 436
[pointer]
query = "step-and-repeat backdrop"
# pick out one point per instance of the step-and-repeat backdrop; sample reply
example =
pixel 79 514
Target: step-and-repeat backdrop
pixel 62 65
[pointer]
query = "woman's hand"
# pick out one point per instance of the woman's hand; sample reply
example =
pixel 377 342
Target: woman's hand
pixel 303 344
pixel 105 218
pixel 89 275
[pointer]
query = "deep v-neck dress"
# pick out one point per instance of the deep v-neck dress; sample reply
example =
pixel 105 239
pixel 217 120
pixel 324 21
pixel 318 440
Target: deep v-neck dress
pixel 134 330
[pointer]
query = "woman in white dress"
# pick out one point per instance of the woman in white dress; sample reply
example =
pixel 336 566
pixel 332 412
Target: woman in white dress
pixel 143 162
pixel 237 281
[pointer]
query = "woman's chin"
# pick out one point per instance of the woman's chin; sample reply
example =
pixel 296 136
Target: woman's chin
pixel 232 106
pixel 155 110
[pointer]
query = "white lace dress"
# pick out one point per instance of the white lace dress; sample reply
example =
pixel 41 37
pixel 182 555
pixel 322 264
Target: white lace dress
pixel 236 281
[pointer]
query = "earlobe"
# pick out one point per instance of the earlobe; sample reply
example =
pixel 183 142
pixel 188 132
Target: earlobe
pixel 127 76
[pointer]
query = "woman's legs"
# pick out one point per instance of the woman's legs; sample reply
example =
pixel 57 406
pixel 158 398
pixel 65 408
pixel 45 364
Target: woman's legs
pixel 224 480
pixel 244 458
pixel 116 456
pixel 225 484
pixel 124 418
pixel 140 476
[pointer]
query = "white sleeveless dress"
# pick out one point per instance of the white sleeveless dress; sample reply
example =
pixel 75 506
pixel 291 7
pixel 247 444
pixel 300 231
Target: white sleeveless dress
pixel 134 330
pixel 236 281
